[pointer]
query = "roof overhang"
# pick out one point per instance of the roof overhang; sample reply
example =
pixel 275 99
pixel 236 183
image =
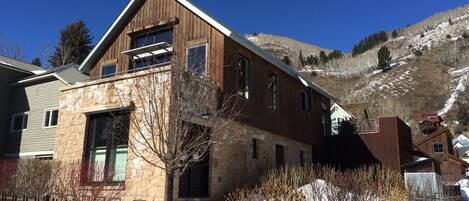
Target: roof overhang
pixel 37 78
pixel 9 67
pixel 134 5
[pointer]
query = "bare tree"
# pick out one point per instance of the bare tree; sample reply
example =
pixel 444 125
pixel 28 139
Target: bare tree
pixel 11 50
pixel 177 115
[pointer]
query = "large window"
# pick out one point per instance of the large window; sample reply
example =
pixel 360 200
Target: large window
pixel 244 77
pixel 272 91
pixel 279 156
pixel 19 122
pixel 108 71
pixel 151 49
pixel 106 147
pixel 197 59
pixel 438 148
pixel 50 118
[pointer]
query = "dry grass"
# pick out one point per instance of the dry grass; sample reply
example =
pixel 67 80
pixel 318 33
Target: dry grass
pixel 325 183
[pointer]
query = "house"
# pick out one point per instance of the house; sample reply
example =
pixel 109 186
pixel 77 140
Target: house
pixel 10 71
pixel 461 147
pixel 284 115
pixel 390 145
pixel 33 112
pixel 427 122
pixel 439 146
pixel 357 113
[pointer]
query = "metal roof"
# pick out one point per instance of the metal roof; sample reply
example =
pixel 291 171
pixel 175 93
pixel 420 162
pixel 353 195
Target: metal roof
pixel 68 74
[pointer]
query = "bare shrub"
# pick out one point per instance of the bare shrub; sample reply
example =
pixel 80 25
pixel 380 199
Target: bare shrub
pixel 320 182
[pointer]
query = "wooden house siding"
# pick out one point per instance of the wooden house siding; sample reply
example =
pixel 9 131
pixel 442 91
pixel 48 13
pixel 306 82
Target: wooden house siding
pixel 223 52
pixel 189 29
pixel 35 99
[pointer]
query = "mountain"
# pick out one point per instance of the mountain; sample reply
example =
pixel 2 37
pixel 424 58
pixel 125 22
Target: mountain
pixel 430 69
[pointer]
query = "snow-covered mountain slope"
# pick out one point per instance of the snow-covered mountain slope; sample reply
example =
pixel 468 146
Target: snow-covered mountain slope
pixel 430 74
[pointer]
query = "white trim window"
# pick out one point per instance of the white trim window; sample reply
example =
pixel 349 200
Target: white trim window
pixel 51 117
pixel 197 59
pixel 19 122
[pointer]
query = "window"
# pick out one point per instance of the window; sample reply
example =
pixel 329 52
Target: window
pixel 255 153
pixel 272 91
pixel 145 56
pixel 149 38
pixel 302 158
pixel 197 59
pixel 19 122
pixel 305 101
pixel 279 156
pixel 438 148
pixel 50 118
pixel 323 121
pixel 108 71
pixel 106 147
pixel 244 77
pixel 194 182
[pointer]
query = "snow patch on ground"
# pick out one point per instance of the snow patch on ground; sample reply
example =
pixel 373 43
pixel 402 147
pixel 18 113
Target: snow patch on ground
pixel 461 76
pixel 464 186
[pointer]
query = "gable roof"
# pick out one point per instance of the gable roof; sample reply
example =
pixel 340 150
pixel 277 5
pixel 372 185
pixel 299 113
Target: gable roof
pixel 68 74
pixel 340 107
pixel 20 66
pixel 134 6
pixel 434 134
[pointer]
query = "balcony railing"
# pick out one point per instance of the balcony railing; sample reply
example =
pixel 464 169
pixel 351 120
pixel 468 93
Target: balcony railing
pixel 366 126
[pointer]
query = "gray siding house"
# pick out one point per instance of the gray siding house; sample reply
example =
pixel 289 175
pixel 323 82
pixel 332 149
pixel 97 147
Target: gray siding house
pixel 10 71
pixel 33 112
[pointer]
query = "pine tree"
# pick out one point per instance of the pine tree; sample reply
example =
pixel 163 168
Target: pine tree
pixel 335 55
pixel 36 61
pixel 384 57
pixel 394 34
pixel 286 60
pixel 74 45
pixel 301 59
pixel 323 56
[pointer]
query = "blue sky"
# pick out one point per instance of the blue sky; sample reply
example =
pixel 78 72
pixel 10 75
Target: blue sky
pixel 34 25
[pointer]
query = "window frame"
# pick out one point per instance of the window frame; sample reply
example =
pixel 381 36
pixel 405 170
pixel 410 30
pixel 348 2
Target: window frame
pixel 275 107
pixel 23 126
pixel 305 100
pixel 87 179
pixel 206 70
pixel 133 37
pixel 282 148
pixel 249 84
pixel 442 148
pixel 50 119
pixel 302 158
pixel 255 148
pixel 148 32
pixel 106 66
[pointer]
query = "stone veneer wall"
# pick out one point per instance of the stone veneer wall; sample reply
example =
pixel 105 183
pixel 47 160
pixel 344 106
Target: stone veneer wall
pixel 230 164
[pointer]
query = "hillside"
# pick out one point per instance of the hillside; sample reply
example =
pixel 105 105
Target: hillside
pixel 430 74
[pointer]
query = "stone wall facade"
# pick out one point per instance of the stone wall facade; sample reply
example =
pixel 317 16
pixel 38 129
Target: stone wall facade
pixel 231 163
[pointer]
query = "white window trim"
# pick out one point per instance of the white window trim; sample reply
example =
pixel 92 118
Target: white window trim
pixel 206 57
pixel 22 123
pixel 50 119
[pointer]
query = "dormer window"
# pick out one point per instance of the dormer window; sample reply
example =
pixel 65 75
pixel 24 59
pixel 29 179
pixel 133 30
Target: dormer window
pixel 151 49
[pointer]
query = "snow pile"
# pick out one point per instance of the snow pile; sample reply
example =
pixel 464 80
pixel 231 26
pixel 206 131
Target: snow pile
pixel 461 76
pixel 320 190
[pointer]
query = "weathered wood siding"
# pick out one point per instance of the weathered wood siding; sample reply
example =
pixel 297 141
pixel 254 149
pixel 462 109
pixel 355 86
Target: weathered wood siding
pixel 289 120
pixel 35 99
pixel 189 30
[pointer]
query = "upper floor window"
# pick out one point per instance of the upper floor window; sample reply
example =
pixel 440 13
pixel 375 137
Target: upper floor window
pixel 151 49
pixel 50 118
pixel 438 148
pixel 106 146
pixel 244 77
pixel 305 101
pixel 302 158
pixel 272 91
pixel 19 122
pixel 197 59
pixel 108 71
pixel 154 37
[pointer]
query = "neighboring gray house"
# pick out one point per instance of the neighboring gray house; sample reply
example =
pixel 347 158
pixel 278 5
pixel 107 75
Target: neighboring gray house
pixel 33 112
pixel 10 71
